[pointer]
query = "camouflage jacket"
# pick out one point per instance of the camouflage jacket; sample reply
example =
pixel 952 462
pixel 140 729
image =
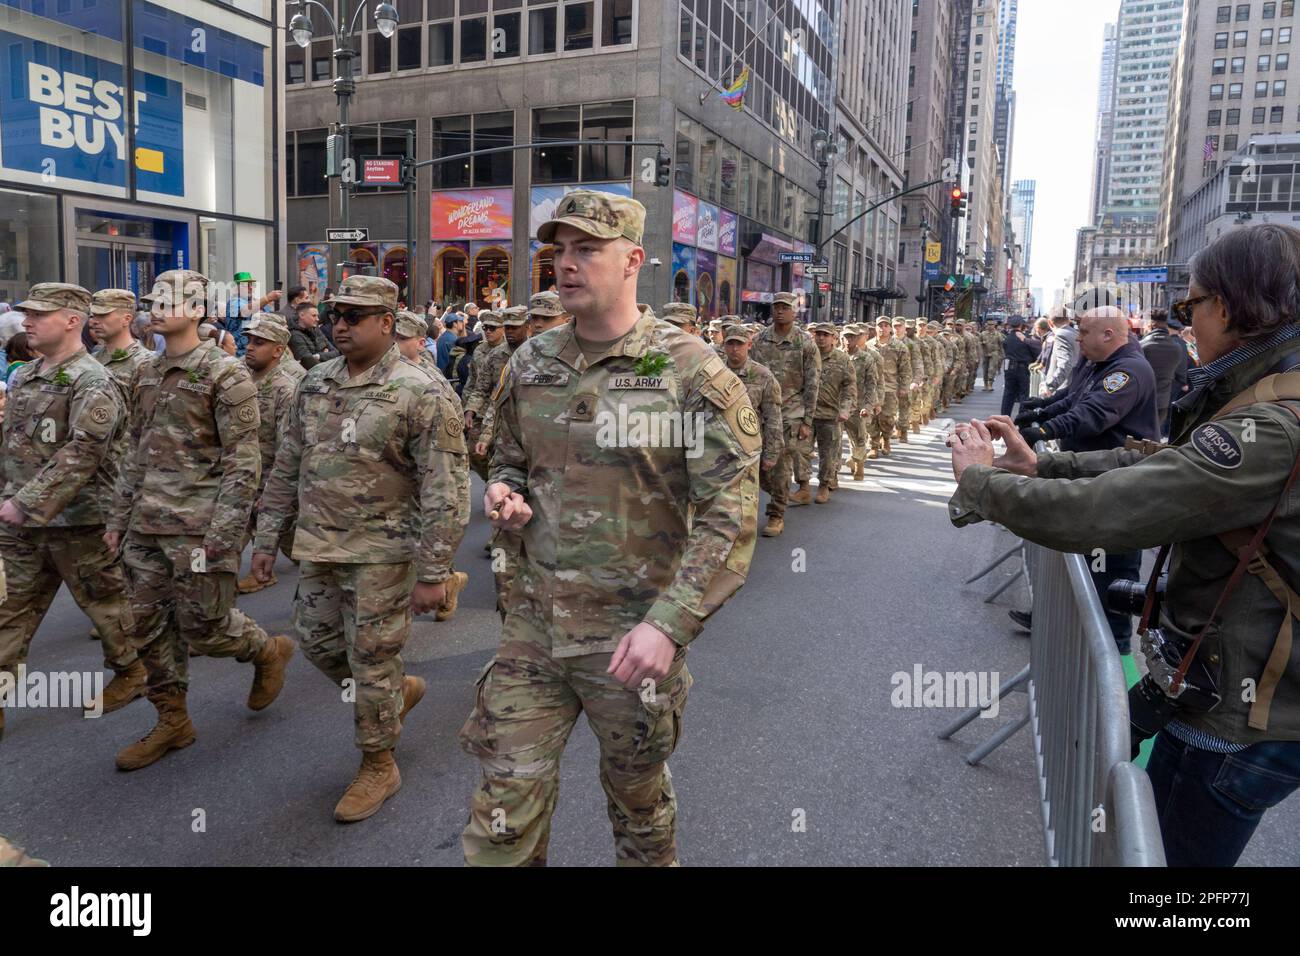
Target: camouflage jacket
pixel 888 366
pixel 292 367
pixel 765 396
pixel 496 367
pixel 795 364
pixel 837 390
pixel 866 372
pixel 972 348
pixel 476 388
pixel 124 365
pixel 935 359
pixel 374 466
pixel 193 464
pixel 275 395
pixel 917 356
pixel 958 346
pixel 57 463
pixel 610 543
pixel 992 343
pixel 948 350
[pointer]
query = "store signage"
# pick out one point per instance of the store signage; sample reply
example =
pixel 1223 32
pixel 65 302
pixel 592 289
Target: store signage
pixel 61 116
pixel 1142 274
pixel 727 223
pixel 472 214
pixel 706 234
pixel 686 210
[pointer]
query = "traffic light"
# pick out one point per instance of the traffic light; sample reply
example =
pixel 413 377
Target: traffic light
pixel 663 168
pixel 958 196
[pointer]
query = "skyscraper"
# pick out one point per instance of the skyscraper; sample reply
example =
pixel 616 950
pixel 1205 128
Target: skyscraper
pixel 1105 123
pixel 1022 217
pixel 1005 118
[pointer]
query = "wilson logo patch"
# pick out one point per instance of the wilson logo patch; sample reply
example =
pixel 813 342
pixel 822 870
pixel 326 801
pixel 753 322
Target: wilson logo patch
pixel 1218 445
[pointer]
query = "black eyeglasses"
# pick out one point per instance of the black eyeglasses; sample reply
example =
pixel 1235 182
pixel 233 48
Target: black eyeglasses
pixel 354 316
pixel 1183 309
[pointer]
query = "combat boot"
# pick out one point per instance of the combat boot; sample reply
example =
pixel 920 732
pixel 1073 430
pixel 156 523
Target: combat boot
pixel 916 428
pixel 249 584
pixel 376 781
pixel 125 687
pixel 874 453
pixel 455 584
pixel 268 671
pixel 857 471
pixel 801 497
pixel 902 434
pixel 413 689
pixel 772 529
pixel 172 732
pixel 885 450
pixel 823 495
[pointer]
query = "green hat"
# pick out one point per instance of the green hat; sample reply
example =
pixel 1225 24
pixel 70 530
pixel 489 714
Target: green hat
pixel 514 316
pixel 785 298
pixel 53 296
pixel 598 214
pixel 110 300
pixel 679 313
pixel 409 325
pixel 244 277
pixel 268 325
pixel 545 304
pixel 375 292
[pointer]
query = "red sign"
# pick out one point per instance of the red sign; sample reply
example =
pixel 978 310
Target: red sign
pixel 381 172
pixel 824 286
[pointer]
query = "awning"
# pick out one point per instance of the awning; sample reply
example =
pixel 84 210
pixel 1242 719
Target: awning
pixel 882 294
pixel 769 249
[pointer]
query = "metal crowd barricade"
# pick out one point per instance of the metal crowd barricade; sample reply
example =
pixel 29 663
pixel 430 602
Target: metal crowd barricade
pixel 1098 808
pixel 1035 380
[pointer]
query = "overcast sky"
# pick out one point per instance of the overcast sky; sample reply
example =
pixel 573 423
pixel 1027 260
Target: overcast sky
pixel 1058 63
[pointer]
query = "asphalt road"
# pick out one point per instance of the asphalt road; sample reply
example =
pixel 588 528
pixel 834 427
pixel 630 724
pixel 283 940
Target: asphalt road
pixel 792 751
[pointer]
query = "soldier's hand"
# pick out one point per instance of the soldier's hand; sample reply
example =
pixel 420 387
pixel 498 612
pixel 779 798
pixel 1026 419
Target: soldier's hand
pixel 645 651
pixel 213 553
pixel 902 393
pixel 262 565
pixel 1019 459
pixel 864 412
pixel 505 508
pixel 480 449
pixel 11 514
pixel 113 541
pixel 842 418
pixel 469 420
pixel 427 597
pixel 805 432
pixel 768 465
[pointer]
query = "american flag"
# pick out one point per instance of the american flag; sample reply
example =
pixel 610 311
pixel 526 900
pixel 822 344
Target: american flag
pixel 1209 148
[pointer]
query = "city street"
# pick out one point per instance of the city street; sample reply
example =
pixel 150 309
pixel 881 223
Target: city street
pixel 791 754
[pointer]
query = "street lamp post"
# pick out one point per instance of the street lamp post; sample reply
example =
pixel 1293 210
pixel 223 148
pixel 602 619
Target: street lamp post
pixel 824 148
pixel 921 296
pixel 300 27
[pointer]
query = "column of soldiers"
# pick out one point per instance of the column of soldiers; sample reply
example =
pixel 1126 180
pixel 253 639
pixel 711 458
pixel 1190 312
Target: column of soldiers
pixel 138 479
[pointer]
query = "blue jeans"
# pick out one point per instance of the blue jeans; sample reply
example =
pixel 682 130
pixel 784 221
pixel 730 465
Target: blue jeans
pixel 1125 565
pixel 1209 804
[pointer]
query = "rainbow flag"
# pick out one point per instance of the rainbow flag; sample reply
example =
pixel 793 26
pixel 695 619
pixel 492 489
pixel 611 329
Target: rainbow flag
pixel 734 95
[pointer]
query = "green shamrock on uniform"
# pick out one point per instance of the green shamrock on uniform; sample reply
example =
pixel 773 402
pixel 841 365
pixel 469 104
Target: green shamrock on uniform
pixel 652 364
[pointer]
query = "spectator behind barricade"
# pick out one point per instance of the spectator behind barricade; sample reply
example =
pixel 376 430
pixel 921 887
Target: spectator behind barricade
pixel 465 348
pixel 295 297
pixel 241 306
pixel 1188 335
pixel 455 328
pixel 11 323
pixel 1168 359
pixel 306 340
pixel 1114 399
pixel 1222 692
pixel 1065 352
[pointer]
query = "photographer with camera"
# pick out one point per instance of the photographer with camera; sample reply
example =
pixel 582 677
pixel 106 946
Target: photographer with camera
pixel 1224 504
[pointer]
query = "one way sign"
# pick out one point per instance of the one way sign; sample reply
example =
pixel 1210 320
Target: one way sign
pixel 347 235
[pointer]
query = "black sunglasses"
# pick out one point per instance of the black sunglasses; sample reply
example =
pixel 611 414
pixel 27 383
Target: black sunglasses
pixel 1183 309
pixel 355 316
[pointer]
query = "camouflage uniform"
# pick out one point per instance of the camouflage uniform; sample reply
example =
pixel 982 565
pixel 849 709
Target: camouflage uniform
pixel 275 395
pixel 866 373
pixel 923 364
pixel 973 353
pixel 608 547
pixel 794 363
pixel 952 387
pixel 57 467
pixel 837 395
pixel 188 484
pixel 916 374
pixel 935 361
pixel 478 388
pixel 375 466
pixel 991 342
pixel 895 374
pixel 765 397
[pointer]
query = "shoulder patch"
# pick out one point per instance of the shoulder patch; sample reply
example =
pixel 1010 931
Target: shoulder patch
pixel 235 390
pixel 1115 381
pixel 1218 445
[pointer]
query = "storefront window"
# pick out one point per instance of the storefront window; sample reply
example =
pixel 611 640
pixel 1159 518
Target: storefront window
pixel 544 269
pixel 579 25
pixel 451 135
pixel 29 242
pixel 555 164
pixel 608 121
pixel 707 180
pixel 451 277
pixel 491 272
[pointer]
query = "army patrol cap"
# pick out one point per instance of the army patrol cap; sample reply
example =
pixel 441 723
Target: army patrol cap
pixel 785 298
pixel 514 316
pixel 190 283
pixel 735 333
pixel 267 325
pixel 409 325
pixel 828 327
pixel 598 214
pixel 110 300
pixel 373 292
pixel 883 320
pixel 489 319
pixel 680 313
pixel 933 326
pixel 53 296
pixel 545 304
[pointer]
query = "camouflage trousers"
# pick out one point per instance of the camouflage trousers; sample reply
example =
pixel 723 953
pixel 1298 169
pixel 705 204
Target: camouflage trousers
pixel 905 408
pixel 826 432
pixel 352 622
pixel 776 481
pixel 505 565
pixel 990 370
pixel 881 425
pixel 181 599
pixel 920 404
pixel 971 375
pixel 479 464
pixel 37 560
pixel 526 705
pixel 950 390
pixel 858 430
pixel 801 461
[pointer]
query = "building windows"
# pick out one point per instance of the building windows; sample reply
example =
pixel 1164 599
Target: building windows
pixel 1239 38
pixel 616 23
pixel 1261 89
pixel 386 139
pixel 541 31
pixel 1262 64
pixel 1234 117
pixel 1215 118
pixel 1238 64
pixel 1266 37
pixel 1275 114
pixel 1288 7
pixel 1243 11
pixel 1257 115
pixel 1284 35
pixel 979 56
pixel 306 150
pixel 1221 41
pixel 1224 14
pixel 1230 143
pixel 1281 61
pixel 579 26
pixel 1279 87
pixel 1216 91
pixel 1220 66
pixel 1270 11
pixel 565 164
pixel 1234 91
